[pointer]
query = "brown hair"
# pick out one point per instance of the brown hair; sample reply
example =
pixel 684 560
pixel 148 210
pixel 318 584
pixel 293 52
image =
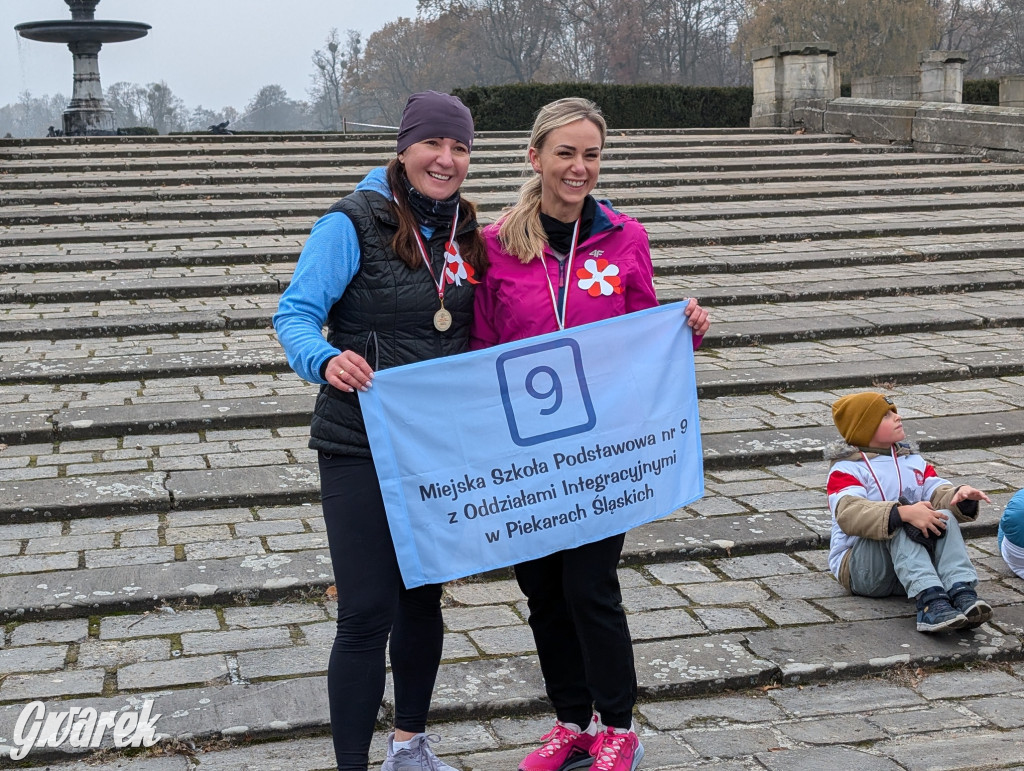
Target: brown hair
pixel 404 244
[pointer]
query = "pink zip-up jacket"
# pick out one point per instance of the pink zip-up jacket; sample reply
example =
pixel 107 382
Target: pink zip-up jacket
pixel 513 301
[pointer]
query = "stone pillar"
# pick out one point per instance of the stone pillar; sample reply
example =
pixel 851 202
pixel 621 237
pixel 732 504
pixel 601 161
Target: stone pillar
pixel 87 114
pixel 942 76
pixel 1011 91
pixel 787 72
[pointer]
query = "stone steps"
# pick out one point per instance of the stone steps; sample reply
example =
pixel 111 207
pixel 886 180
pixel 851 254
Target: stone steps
pixel 261 667
pixel 208 460
pixel 486 143
pixel 493 201
pixel 140 312
pixel 254 283
pixel 722 371
pixel 944 720
pixel 697 171
pixel 487 161
pixel 818 226
pixel 159 528
pixel 660 209
pixel 729 258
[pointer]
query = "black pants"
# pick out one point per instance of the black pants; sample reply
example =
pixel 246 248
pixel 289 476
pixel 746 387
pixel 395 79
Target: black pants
pixel 586 654
pixel 373 603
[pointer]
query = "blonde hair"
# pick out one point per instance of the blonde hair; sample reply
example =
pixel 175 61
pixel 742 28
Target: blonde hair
pixel 520 230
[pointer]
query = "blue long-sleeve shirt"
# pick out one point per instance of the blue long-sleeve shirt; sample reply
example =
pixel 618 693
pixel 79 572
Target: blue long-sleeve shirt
pixel 328 262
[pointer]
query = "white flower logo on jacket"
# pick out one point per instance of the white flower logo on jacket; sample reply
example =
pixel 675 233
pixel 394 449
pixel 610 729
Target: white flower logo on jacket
pixel 599 278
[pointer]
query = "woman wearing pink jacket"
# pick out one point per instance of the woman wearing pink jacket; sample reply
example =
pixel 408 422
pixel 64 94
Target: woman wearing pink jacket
pixel 559 259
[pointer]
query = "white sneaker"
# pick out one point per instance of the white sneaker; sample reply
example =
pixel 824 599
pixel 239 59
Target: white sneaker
pixel 416 757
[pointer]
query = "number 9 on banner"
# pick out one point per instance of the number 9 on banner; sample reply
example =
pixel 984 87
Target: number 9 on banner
pixel 544 392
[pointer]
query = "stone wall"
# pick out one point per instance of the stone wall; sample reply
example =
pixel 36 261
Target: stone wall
pixel 995 132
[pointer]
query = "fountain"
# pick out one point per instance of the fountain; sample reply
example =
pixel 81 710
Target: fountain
pixel 87 114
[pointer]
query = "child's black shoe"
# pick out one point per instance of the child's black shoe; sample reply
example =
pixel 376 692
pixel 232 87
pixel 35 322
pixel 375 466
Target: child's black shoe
pixel 965 600
pixel 934 612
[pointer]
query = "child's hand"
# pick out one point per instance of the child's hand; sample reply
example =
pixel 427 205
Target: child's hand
pixel 924 517
pixel 968 493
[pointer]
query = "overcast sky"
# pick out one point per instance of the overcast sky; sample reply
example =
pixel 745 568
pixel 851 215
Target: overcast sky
pixel 212 53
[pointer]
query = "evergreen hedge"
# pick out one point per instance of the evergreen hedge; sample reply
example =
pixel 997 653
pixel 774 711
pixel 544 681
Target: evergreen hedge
pixel 981 92
pixel 138 131
pixel 513 107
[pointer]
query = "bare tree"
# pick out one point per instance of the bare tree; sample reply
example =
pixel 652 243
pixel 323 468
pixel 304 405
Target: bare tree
pixel 396 62
pixel 982 29
pixel 873 37
pixel 519 33
pixel 328 90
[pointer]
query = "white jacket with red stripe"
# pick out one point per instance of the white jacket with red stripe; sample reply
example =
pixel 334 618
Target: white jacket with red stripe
pixel 864 485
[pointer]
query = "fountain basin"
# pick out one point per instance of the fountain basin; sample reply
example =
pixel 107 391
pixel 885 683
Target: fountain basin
pixel 82 31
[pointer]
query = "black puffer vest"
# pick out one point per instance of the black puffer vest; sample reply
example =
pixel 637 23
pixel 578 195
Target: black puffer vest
pixel 386 315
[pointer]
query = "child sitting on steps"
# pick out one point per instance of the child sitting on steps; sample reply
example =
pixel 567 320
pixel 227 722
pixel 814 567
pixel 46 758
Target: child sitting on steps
pixel 892 532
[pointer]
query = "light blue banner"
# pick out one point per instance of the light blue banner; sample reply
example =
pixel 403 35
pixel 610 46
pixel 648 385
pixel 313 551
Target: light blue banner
pixel 508 454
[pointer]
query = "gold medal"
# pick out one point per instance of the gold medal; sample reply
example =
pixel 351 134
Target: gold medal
pixel 442 316
pixel 442 320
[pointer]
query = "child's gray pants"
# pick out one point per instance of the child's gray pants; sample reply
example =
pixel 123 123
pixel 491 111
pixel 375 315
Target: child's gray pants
pixel 899 565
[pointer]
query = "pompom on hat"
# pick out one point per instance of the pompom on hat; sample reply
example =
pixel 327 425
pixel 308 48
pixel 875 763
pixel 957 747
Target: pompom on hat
pixel 857 416
pixel 433 114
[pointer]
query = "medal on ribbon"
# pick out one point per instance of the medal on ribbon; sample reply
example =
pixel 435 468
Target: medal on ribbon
pixel 443 317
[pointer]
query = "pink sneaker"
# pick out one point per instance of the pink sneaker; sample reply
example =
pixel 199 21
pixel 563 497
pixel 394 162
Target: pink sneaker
pixel 563 749
pixel 616 752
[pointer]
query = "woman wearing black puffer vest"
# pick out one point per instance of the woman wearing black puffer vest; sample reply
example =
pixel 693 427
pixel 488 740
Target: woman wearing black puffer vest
pixel 390 271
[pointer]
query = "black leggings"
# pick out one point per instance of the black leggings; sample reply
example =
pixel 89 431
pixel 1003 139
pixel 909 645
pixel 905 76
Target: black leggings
pixel 579 625
pixel 373 602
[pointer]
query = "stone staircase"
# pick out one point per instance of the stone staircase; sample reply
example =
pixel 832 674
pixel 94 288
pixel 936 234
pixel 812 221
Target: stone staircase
pixel 160 533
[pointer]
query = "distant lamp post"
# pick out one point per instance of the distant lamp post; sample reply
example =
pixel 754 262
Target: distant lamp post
pixel 87 114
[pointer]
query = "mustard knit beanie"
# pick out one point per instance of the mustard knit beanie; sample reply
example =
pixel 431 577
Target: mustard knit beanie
pixel 857 416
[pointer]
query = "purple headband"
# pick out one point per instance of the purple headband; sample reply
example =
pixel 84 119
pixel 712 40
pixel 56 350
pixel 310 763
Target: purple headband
pixel 432 114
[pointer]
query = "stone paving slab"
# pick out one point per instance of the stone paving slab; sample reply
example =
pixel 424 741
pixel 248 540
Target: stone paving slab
pixel 866 647
pixel 132 587
pixel 246 486
pixel 666 540
pixel 113 367
pixel 48 499
pixel 173 417
pixel 109 288
pixel 25 427
pixel 232 710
